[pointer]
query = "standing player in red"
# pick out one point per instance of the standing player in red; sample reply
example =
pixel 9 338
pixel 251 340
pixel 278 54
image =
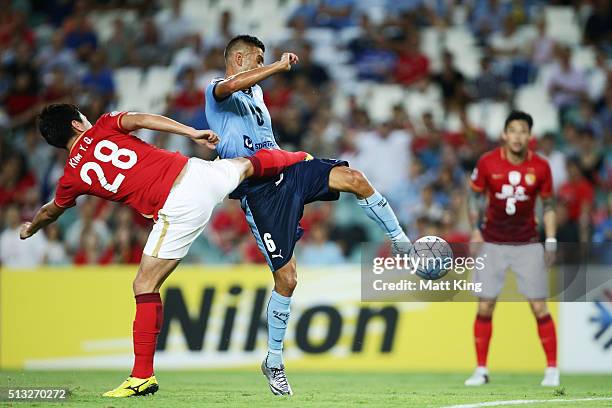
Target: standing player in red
pixel 513 176
pixel 179 193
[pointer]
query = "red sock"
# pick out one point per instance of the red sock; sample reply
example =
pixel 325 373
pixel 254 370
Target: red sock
pixel 483 327
pixel 270 162
pixel 147 324
pixel 548 337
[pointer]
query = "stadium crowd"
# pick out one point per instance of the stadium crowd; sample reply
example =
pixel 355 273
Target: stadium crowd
pixel 51 52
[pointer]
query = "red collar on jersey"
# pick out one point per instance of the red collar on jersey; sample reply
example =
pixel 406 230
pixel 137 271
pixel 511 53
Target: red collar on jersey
pixel 76 141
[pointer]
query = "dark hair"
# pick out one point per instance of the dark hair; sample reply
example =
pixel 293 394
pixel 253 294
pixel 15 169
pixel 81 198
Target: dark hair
pixel 55 123
pixel 248 39
pixel 519 115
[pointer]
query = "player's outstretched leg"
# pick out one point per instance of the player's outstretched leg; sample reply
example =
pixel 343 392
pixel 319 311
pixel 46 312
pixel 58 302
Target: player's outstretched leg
pixel 278 312
pixel 548 337
pixel 372 202
pixel 146 327
pixel 483 328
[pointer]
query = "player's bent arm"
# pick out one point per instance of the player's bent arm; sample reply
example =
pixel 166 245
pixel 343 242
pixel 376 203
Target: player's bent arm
pixel 133 121
pixel 47 214
pixel 247 79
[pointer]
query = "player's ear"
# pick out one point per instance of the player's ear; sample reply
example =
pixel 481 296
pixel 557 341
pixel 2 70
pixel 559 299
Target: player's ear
pixel 239 59
pixel 78 125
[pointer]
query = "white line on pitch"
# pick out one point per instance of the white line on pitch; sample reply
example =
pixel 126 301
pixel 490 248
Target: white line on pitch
pixel 525 402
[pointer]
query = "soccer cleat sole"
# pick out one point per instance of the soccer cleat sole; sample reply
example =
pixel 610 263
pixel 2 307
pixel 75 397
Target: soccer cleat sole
pixel 275 391
pixel 150 390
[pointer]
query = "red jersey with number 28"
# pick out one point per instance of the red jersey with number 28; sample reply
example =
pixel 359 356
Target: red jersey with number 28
pixel 107 162
pixel 512 191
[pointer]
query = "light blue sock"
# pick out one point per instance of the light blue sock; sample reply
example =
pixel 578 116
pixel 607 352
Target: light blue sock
pixel 278 316
pixel 378 209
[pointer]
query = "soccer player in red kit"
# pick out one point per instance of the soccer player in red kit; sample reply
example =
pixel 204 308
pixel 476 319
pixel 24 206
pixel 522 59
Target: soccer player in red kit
pixel 512 176
pixel 179 193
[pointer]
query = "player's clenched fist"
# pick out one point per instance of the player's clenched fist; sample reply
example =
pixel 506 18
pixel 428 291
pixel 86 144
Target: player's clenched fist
pixel 288 59
pixel 24 232
pixel 206 138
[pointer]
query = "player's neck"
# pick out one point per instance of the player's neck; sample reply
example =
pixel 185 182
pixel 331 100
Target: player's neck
pixel 73 140
pixel 515 158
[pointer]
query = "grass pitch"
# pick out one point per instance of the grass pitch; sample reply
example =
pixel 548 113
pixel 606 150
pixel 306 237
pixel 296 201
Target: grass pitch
pixel 312 389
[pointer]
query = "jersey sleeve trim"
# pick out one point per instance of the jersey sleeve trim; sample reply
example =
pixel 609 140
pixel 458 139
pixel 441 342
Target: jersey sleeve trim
pixel 119 117
pixel 64 206
pixel 217 99
pixel 546 195
pixel 476 188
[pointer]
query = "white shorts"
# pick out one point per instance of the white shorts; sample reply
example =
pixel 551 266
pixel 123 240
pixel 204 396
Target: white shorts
pixel 190 205
pixel 527 263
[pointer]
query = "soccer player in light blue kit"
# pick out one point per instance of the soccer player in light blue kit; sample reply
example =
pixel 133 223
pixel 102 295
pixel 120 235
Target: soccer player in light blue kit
pixel 235 109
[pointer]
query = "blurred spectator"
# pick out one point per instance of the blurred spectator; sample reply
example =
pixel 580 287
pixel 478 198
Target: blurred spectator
pixel 91 251
pixel 304 13
pixel 556 159
pixel 57 89
pixel 598 27
pixel 22 100
pixel 119 47
pixel 15 180
pixel 149 49
pixel 489 85
pixel 80 36
pixel 188 55
pixel 578 197
pixel 590 157
pixel 124 248
pixel 55 253
pixel 16 253
pixel 187 104
pixel 57 56
pixel 15 28
pixel 543 46
pixel 335 14
pixel 87 225
pixel 597 77
pixel 603 229
pixel 319 250
pixel 228 226
pixel 427 144
pixel 99 80
pixel 406 196
pixel 315 73
pixel 391 148
pixel 412 65
pixel 567 84
pixel 487 16
pixel 451 83
pixel 428 207
pixel 174 23
pixel 567 229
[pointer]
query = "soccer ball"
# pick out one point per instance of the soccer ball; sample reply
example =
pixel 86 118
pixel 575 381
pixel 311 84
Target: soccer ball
pixel 432 257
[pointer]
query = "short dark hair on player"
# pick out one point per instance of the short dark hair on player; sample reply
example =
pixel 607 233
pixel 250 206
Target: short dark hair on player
pixel 248 39
pixel 55 123
pixel 519 115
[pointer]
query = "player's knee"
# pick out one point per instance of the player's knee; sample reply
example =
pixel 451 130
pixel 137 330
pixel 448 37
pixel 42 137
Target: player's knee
pixel 539 308
pixel 286 282
pixel 358 182
pixel 486 308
